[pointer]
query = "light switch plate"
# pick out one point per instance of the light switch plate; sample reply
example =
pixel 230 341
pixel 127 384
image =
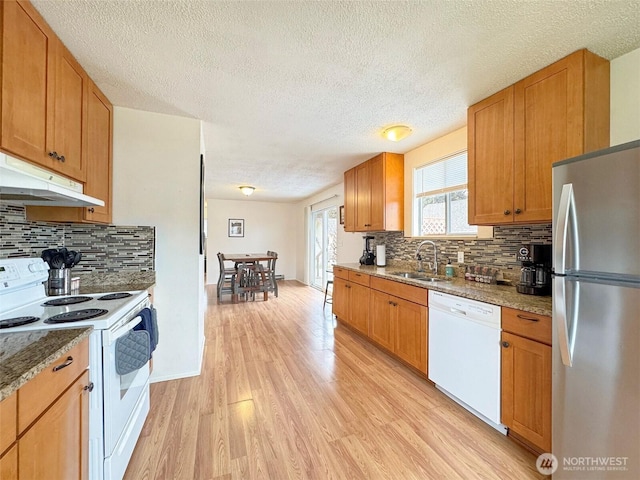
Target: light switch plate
pixel 460 257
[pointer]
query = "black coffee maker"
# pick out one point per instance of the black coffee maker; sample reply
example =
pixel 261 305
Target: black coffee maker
pixel 368 257
pixel 535 275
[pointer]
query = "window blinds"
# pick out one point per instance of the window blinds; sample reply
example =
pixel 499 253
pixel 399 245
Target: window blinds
pixel 443 176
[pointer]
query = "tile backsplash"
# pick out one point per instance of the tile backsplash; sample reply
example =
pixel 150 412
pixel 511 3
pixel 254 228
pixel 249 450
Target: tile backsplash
pixel 105 248
pixel 499 252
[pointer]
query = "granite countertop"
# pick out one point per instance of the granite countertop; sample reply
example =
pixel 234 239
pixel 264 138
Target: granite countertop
pixel 502 295
pixel 126 281
pixel 25 354
pixel 121 287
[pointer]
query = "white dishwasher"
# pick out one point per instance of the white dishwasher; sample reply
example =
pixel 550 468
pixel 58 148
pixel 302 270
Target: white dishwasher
pixel 464 353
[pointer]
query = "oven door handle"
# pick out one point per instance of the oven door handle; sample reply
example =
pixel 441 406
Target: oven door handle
pixel 112 336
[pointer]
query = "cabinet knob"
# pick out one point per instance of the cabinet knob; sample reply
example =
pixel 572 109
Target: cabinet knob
pixel 61 158
pixel 507 212
pixel 89 387
pixel 518 211
pixel 506 344
pixel 54 155
pixel 91 210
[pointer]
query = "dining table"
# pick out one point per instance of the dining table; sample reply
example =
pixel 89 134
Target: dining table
pixel 247 257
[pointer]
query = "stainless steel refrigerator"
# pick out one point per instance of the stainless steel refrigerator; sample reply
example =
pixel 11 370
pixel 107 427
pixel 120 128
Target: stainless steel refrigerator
pixel 596 315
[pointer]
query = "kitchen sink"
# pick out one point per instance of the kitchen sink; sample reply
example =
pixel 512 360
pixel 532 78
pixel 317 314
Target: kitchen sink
pixel 417 276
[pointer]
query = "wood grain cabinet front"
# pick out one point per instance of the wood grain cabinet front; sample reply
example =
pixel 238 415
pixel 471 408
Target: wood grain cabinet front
pixel 516 135
pixel 99 113
pixel 374 194
pixel 45 424
pixel 44 94
pixel 351 301
pixel 526 378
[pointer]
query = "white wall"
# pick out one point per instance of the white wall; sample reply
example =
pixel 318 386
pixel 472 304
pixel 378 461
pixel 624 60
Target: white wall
pixel 156 177
pixel 268 226
pixel 625 98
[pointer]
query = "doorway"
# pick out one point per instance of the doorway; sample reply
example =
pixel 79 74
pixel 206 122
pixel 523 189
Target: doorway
pixel 325 245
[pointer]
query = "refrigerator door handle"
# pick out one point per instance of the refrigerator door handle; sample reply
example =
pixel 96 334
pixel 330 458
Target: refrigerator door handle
pixel 566 219
pixel 566 330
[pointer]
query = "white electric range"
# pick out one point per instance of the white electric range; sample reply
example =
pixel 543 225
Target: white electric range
pixel 119 404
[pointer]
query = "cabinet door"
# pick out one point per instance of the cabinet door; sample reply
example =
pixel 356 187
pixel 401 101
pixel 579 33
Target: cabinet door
pixel 490 159
pixel 381 328
pixel 68 120
pixel 363 197
pixel 377 200
pixel 9 464
pixel 350 200
pixel 549 126
pixel 56 446
pixel 99 154
pixel 27 63
pixel 359 307
pixel 410 321
pixel 526 389
pixel 341 294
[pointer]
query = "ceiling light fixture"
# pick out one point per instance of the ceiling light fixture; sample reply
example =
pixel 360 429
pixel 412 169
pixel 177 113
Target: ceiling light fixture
pixel 247 190
pixel 396 132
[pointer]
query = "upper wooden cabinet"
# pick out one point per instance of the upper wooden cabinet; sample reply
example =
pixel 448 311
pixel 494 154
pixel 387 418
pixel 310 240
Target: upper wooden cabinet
pixel 516 135
pixel 374 192
pixel 44 94
pixel 99 167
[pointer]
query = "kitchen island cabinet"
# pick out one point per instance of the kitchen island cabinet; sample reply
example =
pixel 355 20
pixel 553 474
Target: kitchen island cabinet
pixel 374 194
pixel 516 135
pixel 526 378
pixel 44 94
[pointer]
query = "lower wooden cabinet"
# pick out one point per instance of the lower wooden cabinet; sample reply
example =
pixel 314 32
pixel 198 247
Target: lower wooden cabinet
pixel 49 433
pixel 381 326
pixel 526 380
pixel 351 303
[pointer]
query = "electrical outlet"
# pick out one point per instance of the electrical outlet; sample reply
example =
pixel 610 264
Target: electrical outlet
pixel 460 257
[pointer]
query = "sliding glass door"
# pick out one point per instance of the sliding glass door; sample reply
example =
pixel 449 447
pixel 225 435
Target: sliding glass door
pixel 325 242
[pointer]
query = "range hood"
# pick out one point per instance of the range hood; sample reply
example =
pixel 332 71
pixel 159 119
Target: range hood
pixel 27 184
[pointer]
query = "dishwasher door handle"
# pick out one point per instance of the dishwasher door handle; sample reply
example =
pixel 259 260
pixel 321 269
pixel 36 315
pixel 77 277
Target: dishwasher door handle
pixel 455 310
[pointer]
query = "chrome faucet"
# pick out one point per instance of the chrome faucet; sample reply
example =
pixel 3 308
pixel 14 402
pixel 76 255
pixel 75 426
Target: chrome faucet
pixel 433 266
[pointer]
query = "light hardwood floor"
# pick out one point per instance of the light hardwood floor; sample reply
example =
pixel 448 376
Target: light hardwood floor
pixel 285 394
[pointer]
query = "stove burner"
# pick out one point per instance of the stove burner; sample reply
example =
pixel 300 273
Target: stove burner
pixel 77 315
pixel 17 321
pixel 58 302
pixel 115 296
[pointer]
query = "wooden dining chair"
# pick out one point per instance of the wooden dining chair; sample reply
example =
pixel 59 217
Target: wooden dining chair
pixel 270 271
pixel 249 280
pixel 226 278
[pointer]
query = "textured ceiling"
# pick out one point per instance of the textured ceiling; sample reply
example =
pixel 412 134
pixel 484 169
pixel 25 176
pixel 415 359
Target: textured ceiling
pixel 294 93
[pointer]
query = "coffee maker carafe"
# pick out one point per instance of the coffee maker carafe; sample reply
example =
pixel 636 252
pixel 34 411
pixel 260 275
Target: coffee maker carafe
pixel 535 278
pixel 368 257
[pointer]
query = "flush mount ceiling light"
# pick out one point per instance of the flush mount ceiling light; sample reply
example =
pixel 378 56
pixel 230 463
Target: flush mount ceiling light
pixel 396 132
pixel 247 190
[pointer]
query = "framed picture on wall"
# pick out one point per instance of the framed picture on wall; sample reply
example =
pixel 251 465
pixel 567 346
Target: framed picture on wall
pixel 236 227
pixel 341 214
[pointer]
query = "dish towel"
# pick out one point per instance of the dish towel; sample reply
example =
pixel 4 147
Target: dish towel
pixel 132 351
pixel 149 323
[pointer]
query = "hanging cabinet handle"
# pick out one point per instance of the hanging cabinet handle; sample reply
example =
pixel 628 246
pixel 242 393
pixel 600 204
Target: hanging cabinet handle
pixel 531 319
pixel 506 344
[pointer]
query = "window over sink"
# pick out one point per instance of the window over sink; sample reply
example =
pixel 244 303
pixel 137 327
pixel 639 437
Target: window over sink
pixel 441 198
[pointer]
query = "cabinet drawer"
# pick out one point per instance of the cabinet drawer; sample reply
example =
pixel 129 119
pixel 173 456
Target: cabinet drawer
pixel 8 413
pixel 526 324
pixel 401 290
pixel 361 278
pixel 40 392
pixel 341 273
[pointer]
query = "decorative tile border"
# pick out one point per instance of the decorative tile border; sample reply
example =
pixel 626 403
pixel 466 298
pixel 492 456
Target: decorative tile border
pixel 105 248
